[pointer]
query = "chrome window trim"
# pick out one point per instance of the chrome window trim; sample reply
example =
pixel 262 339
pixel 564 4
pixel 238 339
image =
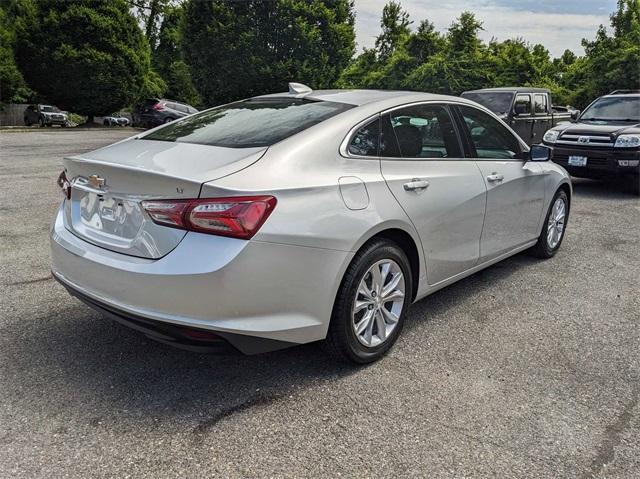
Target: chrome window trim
pixel 344 145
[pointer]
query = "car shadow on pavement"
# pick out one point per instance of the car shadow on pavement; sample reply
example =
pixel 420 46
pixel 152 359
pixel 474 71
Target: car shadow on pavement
pixel 603 190
pixel 111 371
pixel 481 284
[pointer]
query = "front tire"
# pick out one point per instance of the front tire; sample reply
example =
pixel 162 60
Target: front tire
pixel 554 227
pixel 371 304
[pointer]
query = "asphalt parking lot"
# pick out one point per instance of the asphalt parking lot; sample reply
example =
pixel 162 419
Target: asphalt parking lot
pixel 527 369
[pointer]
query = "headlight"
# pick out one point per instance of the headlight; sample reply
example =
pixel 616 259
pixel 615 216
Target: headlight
pixel 551 136
pixel 627 141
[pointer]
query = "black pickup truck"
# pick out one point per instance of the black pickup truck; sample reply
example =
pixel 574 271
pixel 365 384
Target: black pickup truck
pixel 604 142
pixel 528 111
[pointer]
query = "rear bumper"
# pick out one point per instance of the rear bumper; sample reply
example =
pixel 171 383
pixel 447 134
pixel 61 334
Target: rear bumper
pixel 601 163
pixel 242 290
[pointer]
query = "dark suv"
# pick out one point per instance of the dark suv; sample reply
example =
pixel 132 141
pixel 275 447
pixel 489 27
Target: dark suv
pixel 154 112
pixel 604 142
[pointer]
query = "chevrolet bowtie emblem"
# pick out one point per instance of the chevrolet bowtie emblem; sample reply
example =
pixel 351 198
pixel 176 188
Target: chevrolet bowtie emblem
pixel 96 181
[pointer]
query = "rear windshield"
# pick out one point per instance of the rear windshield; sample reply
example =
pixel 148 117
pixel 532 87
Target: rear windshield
pixel 249 123
pixel 497 102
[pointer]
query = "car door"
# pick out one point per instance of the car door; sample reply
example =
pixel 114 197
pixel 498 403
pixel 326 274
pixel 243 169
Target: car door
pixel 515 187
pixel 543 118
pixel 442 192
pixel 523 118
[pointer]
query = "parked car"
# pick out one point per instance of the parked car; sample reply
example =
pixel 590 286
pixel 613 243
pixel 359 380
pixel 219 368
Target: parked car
pixel 528 111
pixel 294 217
pixel 154 112
pixel 45 115
pixel 115 119
pixel 604 143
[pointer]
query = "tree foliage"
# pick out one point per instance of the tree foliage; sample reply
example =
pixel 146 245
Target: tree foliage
pixel 237 49
pixel 458 60
pixel 13 88
pixel 168 58
pixel 87 56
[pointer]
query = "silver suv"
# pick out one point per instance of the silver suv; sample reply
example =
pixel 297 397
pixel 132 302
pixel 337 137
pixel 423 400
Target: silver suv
pixel 46 115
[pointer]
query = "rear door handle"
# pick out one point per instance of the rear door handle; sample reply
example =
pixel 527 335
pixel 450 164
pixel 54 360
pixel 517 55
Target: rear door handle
pixel 495 177
pixel 416 184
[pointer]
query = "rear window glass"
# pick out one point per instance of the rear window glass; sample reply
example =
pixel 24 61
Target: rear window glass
pixel 249 123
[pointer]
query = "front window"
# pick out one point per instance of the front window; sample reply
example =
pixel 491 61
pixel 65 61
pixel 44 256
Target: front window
pixel 48 108
pixel 490 138
pixel 249 123
pixel 424 131
pixel 523 105
pixel 614 109
pixel 498 102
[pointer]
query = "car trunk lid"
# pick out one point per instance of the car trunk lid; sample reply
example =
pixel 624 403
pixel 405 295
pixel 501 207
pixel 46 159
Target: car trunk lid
pixel 109 184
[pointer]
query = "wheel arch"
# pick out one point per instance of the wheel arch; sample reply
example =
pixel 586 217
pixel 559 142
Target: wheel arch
pixel 408 243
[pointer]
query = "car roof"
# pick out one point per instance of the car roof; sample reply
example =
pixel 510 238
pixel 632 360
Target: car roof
pixel 362 97
pixel 511 89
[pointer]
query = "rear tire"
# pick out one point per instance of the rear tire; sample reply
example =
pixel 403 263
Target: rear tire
pixel 360 330
pixel 553 228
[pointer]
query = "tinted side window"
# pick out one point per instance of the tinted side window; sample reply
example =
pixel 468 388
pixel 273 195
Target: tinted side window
pixel 425 131
pixel 366 139
pixel 523 105
pixel 490 138
pixel 540 103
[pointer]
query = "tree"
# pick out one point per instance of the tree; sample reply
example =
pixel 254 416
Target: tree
pixel 395 30
pixel 239 49
pixel 168 58
pixel 149 13
pixel 13 88
pixel 87 56
pixel 610 62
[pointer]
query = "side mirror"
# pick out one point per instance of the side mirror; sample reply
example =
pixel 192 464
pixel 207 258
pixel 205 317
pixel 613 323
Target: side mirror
pixel 575 114
pixel 539 153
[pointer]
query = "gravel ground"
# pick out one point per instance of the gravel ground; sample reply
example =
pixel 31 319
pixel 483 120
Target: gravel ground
pixel 528 369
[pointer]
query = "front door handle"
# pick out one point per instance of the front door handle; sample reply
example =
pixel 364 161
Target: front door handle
pixel 416 184
pixel 495 177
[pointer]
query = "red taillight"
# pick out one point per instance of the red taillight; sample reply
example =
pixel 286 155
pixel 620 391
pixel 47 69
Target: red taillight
pixel 238 217
pixel 158 106
pixel 64 185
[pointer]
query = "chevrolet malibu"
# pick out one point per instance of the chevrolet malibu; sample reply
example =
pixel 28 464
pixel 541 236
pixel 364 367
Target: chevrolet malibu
pixel 303 216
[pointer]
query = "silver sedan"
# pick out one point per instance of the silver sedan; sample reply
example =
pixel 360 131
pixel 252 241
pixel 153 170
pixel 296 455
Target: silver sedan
pixel 303 216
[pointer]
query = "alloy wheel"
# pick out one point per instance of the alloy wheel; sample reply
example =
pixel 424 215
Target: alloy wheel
pixel 555 225
pixel 378 303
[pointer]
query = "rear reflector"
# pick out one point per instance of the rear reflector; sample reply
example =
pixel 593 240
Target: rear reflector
pixel 64 185
pixel 238 217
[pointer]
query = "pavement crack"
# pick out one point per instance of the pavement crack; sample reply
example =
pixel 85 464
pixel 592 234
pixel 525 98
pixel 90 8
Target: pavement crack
pixel 612 436
pixel 31 281
pixel 256 400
